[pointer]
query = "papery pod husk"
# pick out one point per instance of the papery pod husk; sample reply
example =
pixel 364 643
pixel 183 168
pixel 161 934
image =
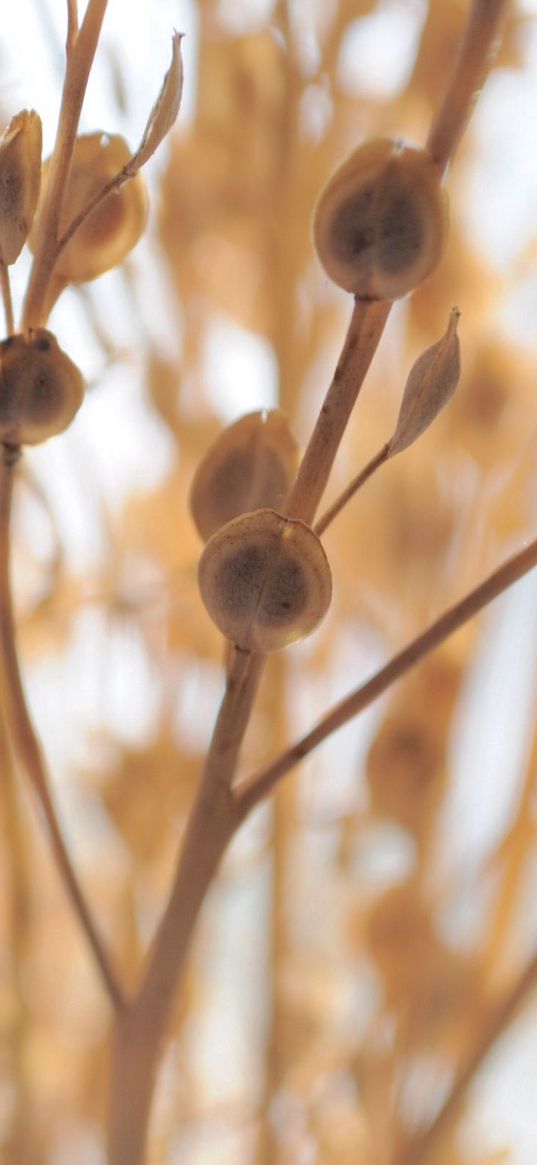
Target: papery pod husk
pixel 380 224
pixel 265 580
pixel 41 389
pixel 113 228
pixel 20 180
pixel 250 466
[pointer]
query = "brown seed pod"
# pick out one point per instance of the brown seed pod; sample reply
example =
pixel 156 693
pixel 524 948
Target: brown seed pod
pixel 20 178
pixel 250 466
pixel 265 580
pixel 40 388
pixel 380 224
pixel 107 235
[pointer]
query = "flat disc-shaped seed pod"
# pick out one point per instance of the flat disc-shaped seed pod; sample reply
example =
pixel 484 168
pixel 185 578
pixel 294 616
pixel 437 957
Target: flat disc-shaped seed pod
pixel 250 466
pixel 41 389
pixel 265 580
pixel 381 222
pixel 111 230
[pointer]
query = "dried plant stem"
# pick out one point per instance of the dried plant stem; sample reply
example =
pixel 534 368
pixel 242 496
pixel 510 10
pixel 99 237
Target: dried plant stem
pixel 79 61
pixel 26 746
pixel 481 40
pixel 421 1148
pixel 217 811
pixel 254 790
pixel 365 330
pixel 352 488
pixel 141 1029
pixel 5 286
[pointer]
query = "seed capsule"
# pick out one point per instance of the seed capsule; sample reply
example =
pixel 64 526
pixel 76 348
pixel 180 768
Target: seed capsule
pixel 40 388
pixel 265 580
pixel 107 235
pixel 250 466
pixel 20 178
pixel 380 224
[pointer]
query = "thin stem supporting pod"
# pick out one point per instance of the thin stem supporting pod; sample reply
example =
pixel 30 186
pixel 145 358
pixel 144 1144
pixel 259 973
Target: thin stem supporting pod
pixel 381 222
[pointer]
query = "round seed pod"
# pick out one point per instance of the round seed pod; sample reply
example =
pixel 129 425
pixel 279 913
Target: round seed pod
pixel 265 580
pixel 250 466
pixel 380 224
pixel 107 235
pixel 40 388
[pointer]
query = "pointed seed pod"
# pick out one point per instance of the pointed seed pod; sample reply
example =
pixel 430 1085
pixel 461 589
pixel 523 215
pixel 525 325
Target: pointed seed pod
pixel 250 466
pixel 431 382
pixel 265 580
pixel 20 179
pixel 112 229
pixel 380 224
pixel 40 388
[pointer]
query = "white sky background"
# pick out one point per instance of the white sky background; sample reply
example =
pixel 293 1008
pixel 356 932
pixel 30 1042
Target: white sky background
pixel 115 428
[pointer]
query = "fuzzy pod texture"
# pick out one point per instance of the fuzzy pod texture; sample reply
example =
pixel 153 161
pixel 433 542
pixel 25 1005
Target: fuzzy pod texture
pixel 41 389
pixel 112 228
pixel 380 225
pixel 265 580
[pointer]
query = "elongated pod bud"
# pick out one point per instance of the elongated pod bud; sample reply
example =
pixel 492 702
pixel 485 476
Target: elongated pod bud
pixel 40 388
pixel 20 178
pixel 265 580
pixel 381 222
pixel 250 466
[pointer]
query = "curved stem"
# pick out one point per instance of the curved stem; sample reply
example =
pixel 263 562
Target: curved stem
pixel 420 1148
pixel 254 790
pixel 361 342
pixel 5 288
pixel 352 488
pixel 480 43
pixel 79 61
pixel 26 746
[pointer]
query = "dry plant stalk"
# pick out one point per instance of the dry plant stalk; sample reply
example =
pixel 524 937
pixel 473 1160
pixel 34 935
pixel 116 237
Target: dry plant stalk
pixel 380 229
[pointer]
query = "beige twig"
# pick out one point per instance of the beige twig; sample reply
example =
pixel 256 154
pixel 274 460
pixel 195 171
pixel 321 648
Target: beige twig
pixel 353 487
pixel 254 790
pixel 478 49
pixel 79 61
pixel 26 746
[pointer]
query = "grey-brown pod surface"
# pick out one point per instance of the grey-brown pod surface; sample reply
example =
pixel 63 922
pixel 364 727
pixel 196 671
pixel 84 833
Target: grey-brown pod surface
pixel 265 580
pixel 41 389
pixel 250 466
pixel 380 224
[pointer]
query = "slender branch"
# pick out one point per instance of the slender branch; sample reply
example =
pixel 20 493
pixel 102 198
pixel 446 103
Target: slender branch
pixel 26 746
pixel 352 488
pixel 5 288
pixel 420 1148
pixel 72 25
pixel 365 330
pixel 478 49
pixel 254 790
pixel 79 62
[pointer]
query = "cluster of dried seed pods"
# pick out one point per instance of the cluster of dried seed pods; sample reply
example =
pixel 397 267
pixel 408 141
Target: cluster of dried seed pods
pixel 264 578
pixel 381 222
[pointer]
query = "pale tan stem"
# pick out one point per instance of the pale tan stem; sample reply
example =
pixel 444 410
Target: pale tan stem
pixel 27 749
pixel 352 489
pixel 79 61
pixel 421 1148
pixel 5 287
pixel 361 342
pixel 254 790
pixel 478 49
